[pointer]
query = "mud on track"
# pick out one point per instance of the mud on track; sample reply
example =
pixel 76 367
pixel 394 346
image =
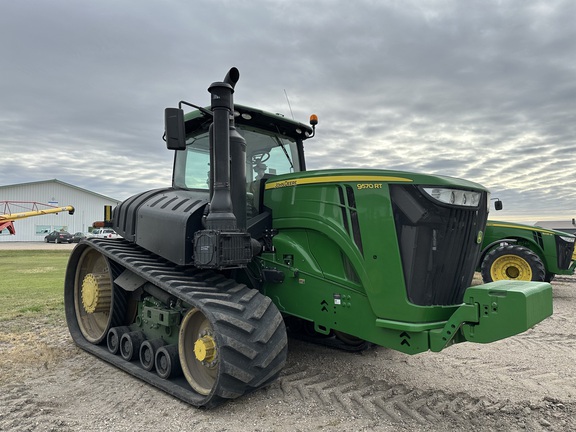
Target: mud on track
pixel 527 382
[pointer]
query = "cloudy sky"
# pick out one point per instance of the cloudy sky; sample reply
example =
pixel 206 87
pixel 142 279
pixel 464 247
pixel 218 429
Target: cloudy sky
pixel 479 89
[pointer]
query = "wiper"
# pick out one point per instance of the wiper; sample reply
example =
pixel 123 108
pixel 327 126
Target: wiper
pixel 279 141
pixel 285 152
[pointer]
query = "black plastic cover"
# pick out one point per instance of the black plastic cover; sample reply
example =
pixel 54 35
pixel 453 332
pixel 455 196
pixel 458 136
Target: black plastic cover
pixel 163 221
pixel 219 249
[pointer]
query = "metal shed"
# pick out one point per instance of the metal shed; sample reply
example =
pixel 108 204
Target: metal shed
pixel 568 226
pixel 89 207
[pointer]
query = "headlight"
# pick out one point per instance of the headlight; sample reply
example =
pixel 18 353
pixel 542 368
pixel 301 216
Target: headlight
pixel 568 239
pixel 456 197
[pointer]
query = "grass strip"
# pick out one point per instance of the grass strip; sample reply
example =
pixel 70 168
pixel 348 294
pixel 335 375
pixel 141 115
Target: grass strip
pixel 32 283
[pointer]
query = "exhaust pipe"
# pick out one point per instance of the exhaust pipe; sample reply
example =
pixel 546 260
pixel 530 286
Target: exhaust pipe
pixel 221 216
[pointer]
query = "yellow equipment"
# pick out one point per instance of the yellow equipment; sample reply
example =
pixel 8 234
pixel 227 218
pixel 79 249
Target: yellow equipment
pixel 32 209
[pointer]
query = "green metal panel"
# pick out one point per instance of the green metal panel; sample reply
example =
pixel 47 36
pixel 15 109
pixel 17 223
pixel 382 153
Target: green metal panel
pixel 507 308
pixel 314 206
pixel 339 253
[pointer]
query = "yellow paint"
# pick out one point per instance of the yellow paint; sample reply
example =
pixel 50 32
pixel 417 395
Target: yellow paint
pixel 522 227
pixel 205 349
pixel 510 267
pixel 23 215
pixel 361 186
pixel 96 293
pixel 334 179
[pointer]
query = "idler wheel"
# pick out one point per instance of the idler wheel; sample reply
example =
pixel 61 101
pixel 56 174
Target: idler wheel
pixel 92 295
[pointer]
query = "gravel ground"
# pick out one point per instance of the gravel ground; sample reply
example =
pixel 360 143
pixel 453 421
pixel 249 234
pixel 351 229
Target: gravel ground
pixel 527 382
pixel 5 245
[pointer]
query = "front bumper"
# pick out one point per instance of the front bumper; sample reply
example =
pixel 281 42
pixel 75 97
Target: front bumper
pixel 495 311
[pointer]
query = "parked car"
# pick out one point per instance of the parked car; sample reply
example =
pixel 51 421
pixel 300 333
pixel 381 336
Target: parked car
pixel 58 237
pixel 78 236
pixel 104 233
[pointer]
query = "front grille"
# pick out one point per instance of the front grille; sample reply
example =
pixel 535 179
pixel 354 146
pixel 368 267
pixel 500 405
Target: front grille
pixel 538 238
pixel 438 245
pixel 564 250
pixel 349 211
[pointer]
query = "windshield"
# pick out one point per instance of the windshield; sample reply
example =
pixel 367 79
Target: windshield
pixel 266 154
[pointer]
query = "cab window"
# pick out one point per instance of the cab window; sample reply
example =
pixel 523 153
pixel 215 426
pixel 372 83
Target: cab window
pixel 266 154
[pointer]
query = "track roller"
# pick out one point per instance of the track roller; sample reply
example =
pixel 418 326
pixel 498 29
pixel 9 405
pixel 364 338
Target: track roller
pixel 167 362
pixel 113 338
pixel 148 351
pixel 130 344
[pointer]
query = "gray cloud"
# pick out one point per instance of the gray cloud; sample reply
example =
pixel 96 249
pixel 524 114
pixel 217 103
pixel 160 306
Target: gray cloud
pixel 480 89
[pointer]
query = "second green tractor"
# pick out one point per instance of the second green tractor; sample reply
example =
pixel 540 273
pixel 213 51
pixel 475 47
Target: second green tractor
pixel 512 251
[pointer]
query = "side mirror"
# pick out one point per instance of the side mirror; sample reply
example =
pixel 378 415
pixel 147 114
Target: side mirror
pixel 498 205
pixel 175 131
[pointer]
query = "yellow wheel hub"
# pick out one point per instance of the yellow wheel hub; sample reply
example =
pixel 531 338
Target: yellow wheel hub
pixel 96 292
pixel 509 267
pixel 205 349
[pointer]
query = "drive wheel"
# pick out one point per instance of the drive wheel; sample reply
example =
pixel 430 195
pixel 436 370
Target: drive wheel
pixel 512 262
pixel 93 305
pixel 229 348
pixel 199 352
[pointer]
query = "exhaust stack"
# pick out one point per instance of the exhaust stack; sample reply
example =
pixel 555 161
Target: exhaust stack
pixel 224 243
pixel 221 215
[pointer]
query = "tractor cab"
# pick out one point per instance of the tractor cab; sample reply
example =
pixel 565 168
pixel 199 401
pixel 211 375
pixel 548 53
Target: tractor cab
pixel 274 146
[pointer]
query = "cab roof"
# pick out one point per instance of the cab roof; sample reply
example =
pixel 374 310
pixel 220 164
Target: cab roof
pixel 196 121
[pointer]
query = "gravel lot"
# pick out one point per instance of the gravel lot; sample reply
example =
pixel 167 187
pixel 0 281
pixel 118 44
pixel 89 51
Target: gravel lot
pixel 527 382
pixel 4 245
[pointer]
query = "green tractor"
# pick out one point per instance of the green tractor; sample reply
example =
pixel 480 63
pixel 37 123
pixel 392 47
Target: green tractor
pixel 512 251
pixel 247 247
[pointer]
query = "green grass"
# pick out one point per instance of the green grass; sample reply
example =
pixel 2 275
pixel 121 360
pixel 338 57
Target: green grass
pixel 32 284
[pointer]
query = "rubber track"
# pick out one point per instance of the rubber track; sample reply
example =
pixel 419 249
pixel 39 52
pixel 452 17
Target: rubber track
pixel 250 331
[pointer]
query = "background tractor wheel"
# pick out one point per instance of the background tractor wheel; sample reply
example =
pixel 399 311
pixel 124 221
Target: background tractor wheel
pixel 512 262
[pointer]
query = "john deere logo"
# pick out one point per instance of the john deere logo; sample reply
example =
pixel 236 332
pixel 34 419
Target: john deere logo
pixel 479 237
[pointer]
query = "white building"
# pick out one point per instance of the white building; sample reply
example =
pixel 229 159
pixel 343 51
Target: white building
pixel 565 225
pixel 89 207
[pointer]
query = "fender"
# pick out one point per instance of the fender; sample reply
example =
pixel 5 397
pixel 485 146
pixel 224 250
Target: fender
pixel 491 245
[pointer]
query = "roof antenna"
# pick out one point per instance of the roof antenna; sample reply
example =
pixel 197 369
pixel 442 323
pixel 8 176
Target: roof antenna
pixel 289 106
